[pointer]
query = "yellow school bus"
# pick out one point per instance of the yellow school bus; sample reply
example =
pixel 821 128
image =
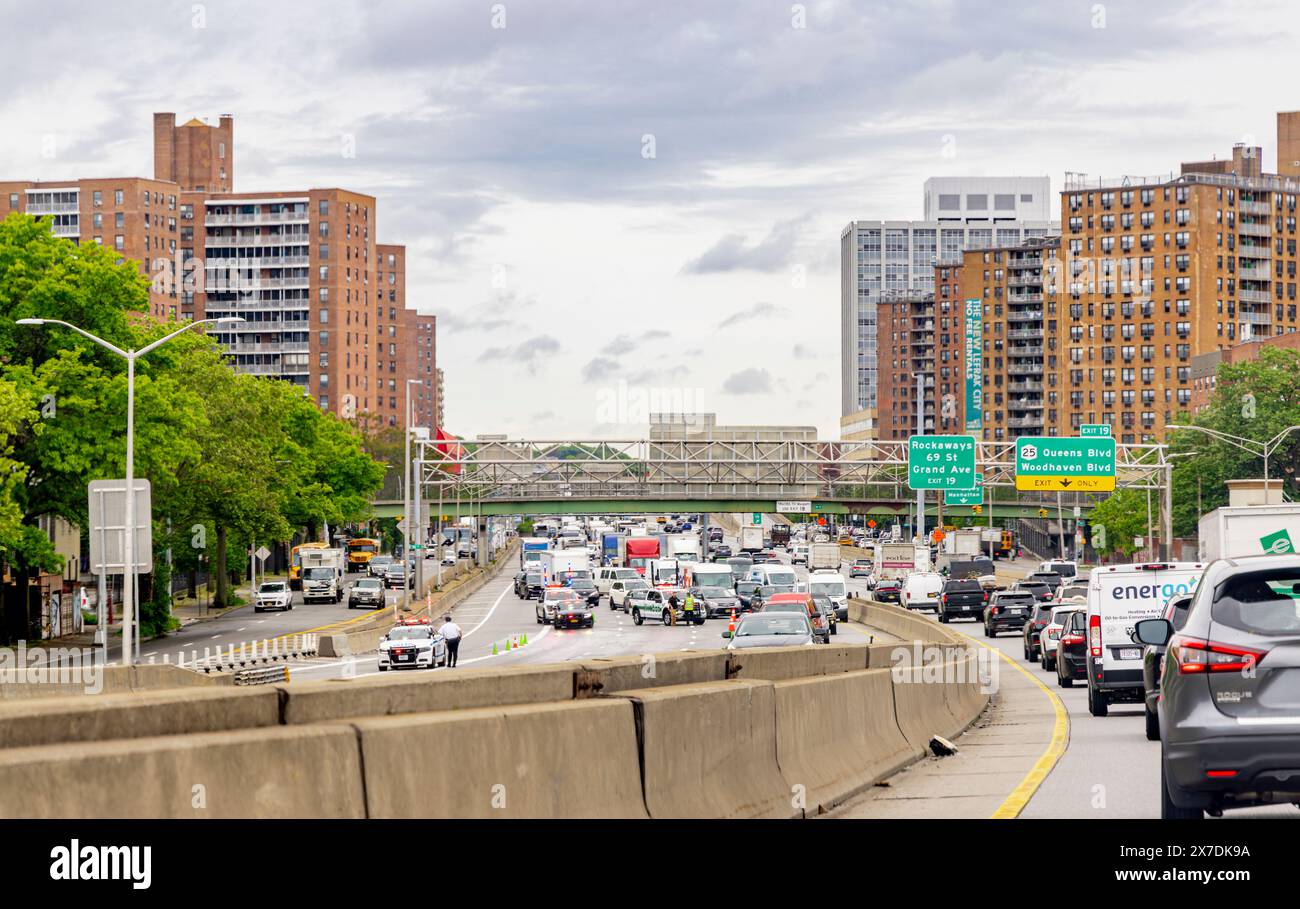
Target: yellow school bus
pixel 360 551
pixel 295 562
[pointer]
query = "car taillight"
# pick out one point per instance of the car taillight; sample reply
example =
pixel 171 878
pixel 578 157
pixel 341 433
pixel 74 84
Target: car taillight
pixel 1200 655
pixel 994 610
pixel 1072 639
pixel 1094 634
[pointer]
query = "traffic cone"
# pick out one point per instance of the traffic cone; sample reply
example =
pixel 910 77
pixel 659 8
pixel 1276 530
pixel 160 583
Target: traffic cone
pixel 731 625
pixel 524 640
pixel 494 648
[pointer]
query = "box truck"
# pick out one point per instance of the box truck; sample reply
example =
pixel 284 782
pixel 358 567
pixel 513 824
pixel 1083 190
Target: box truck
pixel 751 538
pixel 322 574
pixel 530 549
pixel 1247 530
pixel 639 551
pixel 561 564
pixel 611 548
pixel 824 555
pixel 894 560
pixel 684 547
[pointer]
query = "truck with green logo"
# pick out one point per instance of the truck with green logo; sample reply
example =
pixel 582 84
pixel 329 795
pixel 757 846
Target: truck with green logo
pixel 1249 530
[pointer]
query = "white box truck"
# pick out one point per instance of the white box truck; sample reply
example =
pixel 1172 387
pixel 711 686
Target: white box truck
pixel 558 564
pixel 751 538
pixel 322 574
pixel 1248 530
pixel 824 555
pixel 894 560
pixel 684 547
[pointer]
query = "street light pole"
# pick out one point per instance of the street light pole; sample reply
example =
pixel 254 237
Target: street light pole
pixel 1258 449
pixel 130 620
pixel 408 518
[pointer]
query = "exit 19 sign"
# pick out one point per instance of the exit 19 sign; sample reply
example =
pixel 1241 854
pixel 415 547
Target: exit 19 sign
pixel 941 462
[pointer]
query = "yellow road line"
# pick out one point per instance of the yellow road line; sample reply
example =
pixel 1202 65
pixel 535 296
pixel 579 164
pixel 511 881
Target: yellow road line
pixel 1020 796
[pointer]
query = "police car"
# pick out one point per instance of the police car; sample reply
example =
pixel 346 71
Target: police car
pixel 412 644
pixel 655 607
pixel 562 607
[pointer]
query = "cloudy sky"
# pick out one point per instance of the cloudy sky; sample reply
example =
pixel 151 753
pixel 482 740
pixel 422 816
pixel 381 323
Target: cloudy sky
pixel 617 206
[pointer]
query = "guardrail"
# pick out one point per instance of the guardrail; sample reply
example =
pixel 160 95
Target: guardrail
pixel 766 732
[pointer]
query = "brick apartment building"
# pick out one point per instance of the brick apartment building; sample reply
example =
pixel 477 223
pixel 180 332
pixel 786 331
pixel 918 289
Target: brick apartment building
pixel 1149 274
pixel 324 303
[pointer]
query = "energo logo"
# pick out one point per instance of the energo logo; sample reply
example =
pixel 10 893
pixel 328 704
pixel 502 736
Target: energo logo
pixel 1277 543
pixel 1153 591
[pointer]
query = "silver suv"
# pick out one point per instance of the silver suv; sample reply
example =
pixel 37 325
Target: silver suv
pixel 1229 703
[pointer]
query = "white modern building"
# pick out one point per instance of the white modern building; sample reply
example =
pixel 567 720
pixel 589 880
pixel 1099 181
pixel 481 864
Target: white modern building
pixel 878 257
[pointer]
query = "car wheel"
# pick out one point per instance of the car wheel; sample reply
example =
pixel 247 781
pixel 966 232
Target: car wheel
pixel 255 608
pixel 1062 680
pixel 636 616
pixel 666 617
pixel 1153 725
pixel 943 618
pixel 987 632
pixel 835 629
pixel 1098 703
pixel 381 668
pixel 1049 665
pixel 538 617
pixel 1025 649
pixel 1033 654
pixel 1169 810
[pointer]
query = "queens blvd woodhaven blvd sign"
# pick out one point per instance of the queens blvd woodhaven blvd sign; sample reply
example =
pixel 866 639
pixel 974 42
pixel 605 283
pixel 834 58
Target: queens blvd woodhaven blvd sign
pixel 941 462
pixel 1052 463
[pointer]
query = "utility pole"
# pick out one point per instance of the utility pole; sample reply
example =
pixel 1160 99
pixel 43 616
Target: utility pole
pixel 1060 528
pixel 1168 511
pixel 920 431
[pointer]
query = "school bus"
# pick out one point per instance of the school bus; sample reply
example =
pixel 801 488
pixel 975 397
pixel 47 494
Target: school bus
pixel 360 552
pixel 295 563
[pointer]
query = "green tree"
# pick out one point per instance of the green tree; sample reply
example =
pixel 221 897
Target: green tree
pixel 1116 520
pixel 1255 400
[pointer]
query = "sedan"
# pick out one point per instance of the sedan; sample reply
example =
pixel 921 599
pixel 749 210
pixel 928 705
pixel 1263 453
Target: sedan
pixel 1072 650
pixel 378 565
pixel 861 568
pixel 778 629
pixel 586 590
pixel 888 591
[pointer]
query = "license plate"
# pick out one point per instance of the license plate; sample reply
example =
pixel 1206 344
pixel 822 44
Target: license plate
pixel 1017 611
pixel 1130 653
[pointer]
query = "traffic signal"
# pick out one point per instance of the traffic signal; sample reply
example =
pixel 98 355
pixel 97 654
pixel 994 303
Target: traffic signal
pixel 1042 512
pixel 978 509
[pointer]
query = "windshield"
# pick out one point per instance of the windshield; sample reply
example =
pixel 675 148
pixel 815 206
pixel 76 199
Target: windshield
pixel 369 584
pixel 781 578
pixel 319 574
pixel 792 624
pixel 964 587
pixel 1261 602
pixel 1068 592
pixel 1016 601
pixel 635 584
pixel 555 596
pixel 274 587
pixel 625 573
pixel 827 588
pixel 411 633
pixel 381 560
pixel 362 547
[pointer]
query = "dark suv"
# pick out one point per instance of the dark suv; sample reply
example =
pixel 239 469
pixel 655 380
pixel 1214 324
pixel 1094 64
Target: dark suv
pixel 1072 649
pixel 1153 662
pixel 1037 589
pixel 1230 695
pixel 1007 611
pixel 1034 629
pixel 961 599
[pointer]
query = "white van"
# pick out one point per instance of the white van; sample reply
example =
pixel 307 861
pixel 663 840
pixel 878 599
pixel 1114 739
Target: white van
pixel 921 590
pixel 607 576
pixel 774 575
pixel 1119 596
pixel 826 583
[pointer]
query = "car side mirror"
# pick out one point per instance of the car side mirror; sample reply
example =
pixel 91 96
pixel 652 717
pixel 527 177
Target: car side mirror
pixel 727 635
pixel 1153 632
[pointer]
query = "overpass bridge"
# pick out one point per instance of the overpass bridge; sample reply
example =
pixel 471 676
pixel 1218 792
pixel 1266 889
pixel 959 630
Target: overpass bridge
pixel 547 476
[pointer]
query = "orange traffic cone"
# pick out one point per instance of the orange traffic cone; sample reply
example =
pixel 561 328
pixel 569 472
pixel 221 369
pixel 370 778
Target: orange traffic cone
pixel 731 626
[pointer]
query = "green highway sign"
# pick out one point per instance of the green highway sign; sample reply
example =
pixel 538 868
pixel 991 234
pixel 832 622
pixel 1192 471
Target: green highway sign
pixel 1094 429
pixel 758 518
pixel 966 496
pixel 1050 463
pixel 941 462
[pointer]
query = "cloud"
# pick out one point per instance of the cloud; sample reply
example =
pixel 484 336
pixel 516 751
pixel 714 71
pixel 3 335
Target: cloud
pixel 599 369
pixel 748 382
pixel 804 352
pixel 734 253
pixel 525 353
pixel 757 311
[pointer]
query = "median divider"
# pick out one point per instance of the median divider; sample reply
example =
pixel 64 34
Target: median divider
pixel 837 735
pixel 573 760
pixel 767 732
pixel 300 772
pixel 709 750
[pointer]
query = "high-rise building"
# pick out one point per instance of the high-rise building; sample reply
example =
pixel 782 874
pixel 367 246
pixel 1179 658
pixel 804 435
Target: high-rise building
pixel 906 321
pixel 198 157
pixel 324 304
pixel 887 257
pixel 136 217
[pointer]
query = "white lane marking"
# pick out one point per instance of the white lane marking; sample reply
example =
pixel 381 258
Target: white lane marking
pixel 504 591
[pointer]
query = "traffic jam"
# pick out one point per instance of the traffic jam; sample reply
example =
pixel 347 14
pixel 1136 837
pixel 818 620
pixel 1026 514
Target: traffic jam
pixel 671 570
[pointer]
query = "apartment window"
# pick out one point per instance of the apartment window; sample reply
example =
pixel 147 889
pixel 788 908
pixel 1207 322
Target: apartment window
pixel 117 197
pixel 324 316
pixel 324 294
pixel 977 202
pixel 324 272
pixel 119 220
pixel 119 242
pixel 324 208
pixel 97 220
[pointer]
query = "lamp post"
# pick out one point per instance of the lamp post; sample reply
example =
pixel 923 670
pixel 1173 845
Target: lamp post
pixel 408 519
pixel 1253 446
pixel 130 621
